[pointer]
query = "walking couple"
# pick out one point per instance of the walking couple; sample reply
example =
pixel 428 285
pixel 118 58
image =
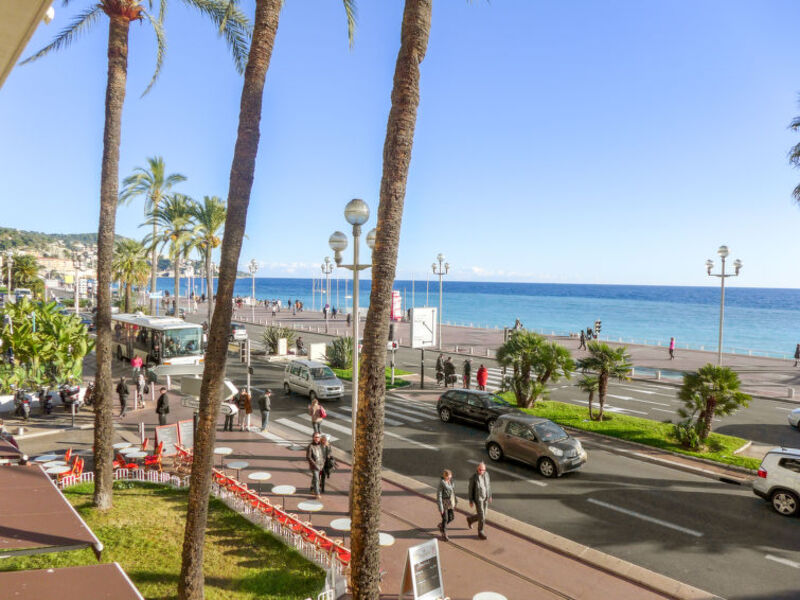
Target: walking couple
pixel 479 494
pixel 321 463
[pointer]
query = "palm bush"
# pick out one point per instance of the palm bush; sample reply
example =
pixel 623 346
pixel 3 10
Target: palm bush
pixel 273 333
pixel 606 362
pixel 340 353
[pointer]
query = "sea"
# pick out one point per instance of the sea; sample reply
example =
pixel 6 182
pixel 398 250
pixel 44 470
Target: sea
pixel 758 321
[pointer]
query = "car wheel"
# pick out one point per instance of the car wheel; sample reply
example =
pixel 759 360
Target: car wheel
pixel 785 502
pixel 490 423
pixel 286 389
pixel 445 415
pixel 547 468
pixel 495 452
pixel 119 353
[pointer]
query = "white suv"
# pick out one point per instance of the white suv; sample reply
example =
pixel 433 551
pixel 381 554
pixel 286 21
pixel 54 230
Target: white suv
pixel 778 480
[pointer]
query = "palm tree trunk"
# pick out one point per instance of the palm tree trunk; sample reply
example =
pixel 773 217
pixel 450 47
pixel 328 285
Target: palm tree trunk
pixel 708 417
pixel 127 297
pixel 591 399
pixel 365 491
pixel 109 192
pixel 209 282
pixel 154 268
pixel 602 388
pixel 177 280
pixel 190 584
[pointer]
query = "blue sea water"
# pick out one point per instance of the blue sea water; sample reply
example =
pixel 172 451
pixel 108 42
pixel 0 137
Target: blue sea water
pixel 757 320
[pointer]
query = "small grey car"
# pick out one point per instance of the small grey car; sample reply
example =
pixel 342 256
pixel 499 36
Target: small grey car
pixel 536 441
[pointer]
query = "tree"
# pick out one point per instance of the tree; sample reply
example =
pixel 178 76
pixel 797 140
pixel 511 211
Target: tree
pixel 120 14
pixel 265 27
pixel 154 184
pixel 589 384
pixel 712 390
pixel 365 491
pixel 605 362
pixel 25 270
pixel 209 219
pixel 130 267
pixel 534 362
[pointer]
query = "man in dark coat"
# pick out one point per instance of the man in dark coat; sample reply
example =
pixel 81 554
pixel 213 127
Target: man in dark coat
pixel 467 373
pixel 265 405
pixel 315 455
pixel 449 372
pixel 480 494
pixel 122 391
pixel 162 407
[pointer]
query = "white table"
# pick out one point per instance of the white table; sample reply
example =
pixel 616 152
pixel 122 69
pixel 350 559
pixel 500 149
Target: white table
pixel 57 470
pixel 385 539
pixel 310 506
pixel 259 476
pixel 343 525
pixel 488 596
pixel 136 454
pixel 129 450
pixel 283 491
pixel 121 445
pixel 237 465
pixel 54 463
pixel 221 452
pixel 44 458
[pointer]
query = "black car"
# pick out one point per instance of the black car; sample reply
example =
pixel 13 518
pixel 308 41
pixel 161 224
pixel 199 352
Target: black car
pixel 472 405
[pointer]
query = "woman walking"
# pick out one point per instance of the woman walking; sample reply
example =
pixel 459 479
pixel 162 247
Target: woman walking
pixel 446 499
pixel 672 348
pixel 317 413
pixel 248 410
pixel 330 462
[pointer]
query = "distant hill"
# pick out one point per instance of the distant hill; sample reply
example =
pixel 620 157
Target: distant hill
pixel 12 239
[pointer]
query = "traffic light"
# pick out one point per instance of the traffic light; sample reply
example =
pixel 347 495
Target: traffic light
pixel 391 331
pixel 597 326
pixel 243 351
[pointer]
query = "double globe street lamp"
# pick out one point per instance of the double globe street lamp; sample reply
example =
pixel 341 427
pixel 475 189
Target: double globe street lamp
pixel 327 268
pixel 253 268
pixel 443 269
pixel 737 265
pixel 356 213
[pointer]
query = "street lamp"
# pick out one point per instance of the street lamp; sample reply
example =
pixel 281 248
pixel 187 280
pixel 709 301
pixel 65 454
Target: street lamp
pixel 737 265
pixel 253 268
pixel 79 262
pixel 356 213
pixel 189 272
pixel 441 273
pixel 327 268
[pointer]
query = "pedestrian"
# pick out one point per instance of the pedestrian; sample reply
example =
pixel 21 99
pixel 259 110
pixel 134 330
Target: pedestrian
pixel 274 310
pixel 162 406
pixel 122 391
pixel 582 345
pixel 136 364
pixel 141 386
pixel 446 499
pixel 480 495
pixel 334 312
pixel 672 348
pixel 348 319
pixel 467 370
pixel 230 416
pixel 440 369
pixel 325 312
pixel 449 372
pixel 482 377
pixel 797 355
pixel 265 405
pixel 248 410
pixel 316 462
pixel 240 406
pixel 329 465
pixel 317 413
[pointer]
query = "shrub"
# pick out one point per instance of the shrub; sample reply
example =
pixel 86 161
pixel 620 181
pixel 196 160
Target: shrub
pixel 272 334
pixel 340 353
pixel 686 434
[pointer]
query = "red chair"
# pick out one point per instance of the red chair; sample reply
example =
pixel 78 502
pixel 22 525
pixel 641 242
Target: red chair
pixel 68 455
pixel 145 444
pixel 79 467
pixel 69 473
pixel 121 464
pixel 323 543
pixel 154 460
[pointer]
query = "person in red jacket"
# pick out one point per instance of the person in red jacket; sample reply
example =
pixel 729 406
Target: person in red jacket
pixel 482 376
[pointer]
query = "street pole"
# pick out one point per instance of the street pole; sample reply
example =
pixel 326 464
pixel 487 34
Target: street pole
pixel 327 268
pixel 443 269
pixel 356 233
pixel 253 267
pixel 737 264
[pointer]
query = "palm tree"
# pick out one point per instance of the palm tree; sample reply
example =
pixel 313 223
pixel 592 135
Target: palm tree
pixel 154 184
pixel 712 390
pixel 130 266
pixel 209 218
pixel 121 13
pixel 589 384
pixel 177 231
pixel 606 362
pixel 25 271
pixel 265 27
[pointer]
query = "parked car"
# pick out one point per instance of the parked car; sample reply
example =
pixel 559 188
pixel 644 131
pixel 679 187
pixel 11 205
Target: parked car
pixel 238 332
pixel 778 480
pixel 312 379
pixel 794 418
pixel 536 441
pixel 472 405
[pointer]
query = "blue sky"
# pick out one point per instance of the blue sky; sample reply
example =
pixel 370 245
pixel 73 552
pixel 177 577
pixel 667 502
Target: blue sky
pixel 584 142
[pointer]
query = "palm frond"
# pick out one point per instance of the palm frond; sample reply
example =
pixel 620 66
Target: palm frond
pixel 795 124
pixel 796 194
pixel 233 25
pixel 161 47
pixel 352 15
pixel 80 24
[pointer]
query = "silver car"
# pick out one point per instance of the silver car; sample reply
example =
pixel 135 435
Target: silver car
pixel 794 418
pixel 536 441
pixel 312 379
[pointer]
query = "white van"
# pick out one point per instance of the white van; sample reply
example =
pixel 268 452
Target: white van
pixel 312 379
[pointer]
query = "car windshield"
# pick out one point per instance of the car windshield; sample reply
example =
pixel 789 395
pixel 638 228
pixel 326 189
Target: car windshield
pixel 495 399
pixel 322 373
pixel 549 432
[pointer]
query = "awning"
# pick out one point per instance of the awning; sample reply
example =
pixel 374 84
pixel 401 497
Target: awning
pixel 96 582
pixel 35 517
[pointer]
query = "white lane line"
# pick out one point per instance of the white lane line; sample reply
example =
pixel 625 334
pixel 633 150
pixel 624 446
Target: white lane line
pixel 411 411
pixel 346 430
pixel 783 561
pixel 672 412
pixel 387 420
pixel 784 409
pixel 339 415
pixel 307 430
pixel 419 405
pixel 510 474
pixel 610 408
pixel 637 515
pixel 633 389
pixel 637 400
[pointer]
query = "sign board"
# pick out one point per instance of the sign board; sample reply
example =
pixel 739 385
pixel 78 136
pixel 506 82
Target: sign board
pixel 190 386
pixel 186 433
pixel 396 308
pixel 194 403
pixel 422 576
pixel 317 352
pixel 169 435
pixel 423 327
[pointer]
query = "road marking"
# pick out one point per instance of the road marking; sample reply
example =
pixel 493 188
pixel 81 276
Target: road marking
pixel 304 429
pixel 610 408
pixel 510 474
pixel 386 420
pixel 346 430
pixel 339 415
pixel 411 411
pixel 672 412
pixel 633 389
pixel 637 515
pixel 637 400
pixel 783 561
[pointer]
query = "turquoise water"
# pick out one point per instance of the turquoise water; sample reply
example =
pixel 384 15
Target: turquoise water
pixel 758 320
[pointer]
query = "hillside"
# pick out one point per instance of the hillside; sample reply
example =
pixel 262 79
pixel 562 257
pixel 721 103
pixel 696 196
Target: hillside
pixel 13 239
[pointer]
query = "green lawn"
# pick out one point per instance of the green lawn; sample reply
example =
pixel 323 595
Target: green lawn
pixel 144 534
pixel 398 382
pixel 635 429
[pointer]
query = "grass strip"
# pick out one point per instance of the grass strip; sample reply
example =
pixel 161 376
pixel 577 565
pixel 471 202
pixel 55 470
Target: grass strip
pixel 658 434
pixel 143 532
pixel 398 383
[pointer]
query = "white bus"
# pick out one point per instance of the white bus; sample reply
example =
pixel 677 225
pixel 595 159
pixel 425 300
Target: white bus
pixel 157 340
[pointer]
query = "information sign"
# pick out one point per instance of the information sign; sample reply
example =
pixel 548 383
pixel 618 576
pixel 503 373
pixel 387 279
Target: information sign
pixel 169 435
pixel 186 433
pixel 423 327
pixel 422 576
pixel 396 307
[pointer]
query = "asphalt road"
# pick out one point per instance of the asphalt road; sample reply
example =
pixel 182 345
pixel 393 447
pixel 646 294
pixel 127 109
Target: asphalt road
pixel 713 535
